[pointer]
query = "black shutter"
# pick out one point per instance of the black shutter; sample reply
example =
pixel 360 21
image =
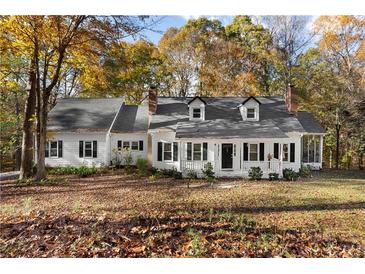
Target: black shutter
pixel 60 149
pixel 276 150
pixel 205 151
pixel 245 152
pixel 47 150
pixel 262 152
pixel 175 151
pixel 159 151
pixel 292 152
pixel 119 145
pixel 140 145
pixel 95 149
pixel 81 149
pixel 188 151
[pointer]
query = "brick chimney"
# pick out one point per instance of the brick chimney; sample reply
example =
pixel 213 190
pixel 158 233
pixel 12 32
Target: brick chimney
pixel 291 99
pixel 152 100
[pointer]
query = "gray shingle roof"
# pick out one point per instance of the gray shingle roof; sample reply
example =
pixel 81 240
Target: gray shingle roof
pixel 223 119
pixel 131 119
pixel 74 114
pixel 309 123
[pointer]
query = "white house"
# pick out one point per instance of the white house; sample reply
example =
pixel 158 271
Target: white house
pixel 232 133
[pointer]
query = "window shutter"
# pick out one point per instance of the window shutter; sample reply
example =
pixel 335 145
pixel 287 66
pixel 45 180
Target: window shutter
pixel 141 145
pixel 245 152
pixel 262 152
pixel 81 149
pixel 175 151
pixel 276 150
pixel 60 149
pixel 159 151
pixel 189 151
pixel 95 149
pixel 47 150
pixel 292 152
pixel 119 145
pixel 205 151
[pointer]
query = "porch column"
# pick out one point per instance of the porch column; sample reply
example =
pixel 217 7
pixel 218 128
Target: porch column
pixel 281 160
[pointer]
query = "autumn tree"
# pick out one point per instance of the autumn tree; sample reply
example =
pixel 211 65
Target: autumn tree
pixel 48 42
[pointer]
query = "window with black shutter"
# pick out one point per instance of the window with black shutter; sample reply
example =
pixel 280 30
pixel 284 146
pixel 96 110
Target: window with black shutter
pixel 141 145
pixel 262 152
pixel 81 149
pixel 47 150
pixel 119 144
pixel 205 151
pixel 292 152
pixel 276 150
pixel 175 152
pixel 245 152
pixel 95 149
pixel 60 148
pixel 189 151
pixel 159 151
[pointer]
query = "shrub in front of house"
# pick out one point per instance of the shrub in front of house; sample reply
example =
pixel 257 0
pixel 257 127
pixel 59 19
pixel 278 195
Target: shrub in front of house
pixel 82 171
pixel 305 171
pixel 273 176
pixel 290 175
pixel 191 174
pixel 208 172
pixel 255 173
pixel 142 166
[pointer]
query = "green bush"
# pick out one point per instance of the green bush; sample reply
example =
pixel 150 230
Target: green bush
pixel 176 174
pixel 290 175
pixel 273 176
pixel 208 171
pixel 142 166
pixel 84 171
pixel 63 170
pixel 305 171
pixel 255 173
pixel 191 174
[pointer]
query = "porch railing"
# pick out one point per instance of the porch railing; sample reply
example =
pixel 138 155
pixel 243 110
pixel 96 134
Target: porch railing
pixel 193 165
pixel 266 166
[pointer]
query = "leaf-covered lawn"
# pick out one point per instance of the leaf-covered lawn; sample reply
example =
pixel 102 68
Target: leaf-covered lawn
pixel 125 216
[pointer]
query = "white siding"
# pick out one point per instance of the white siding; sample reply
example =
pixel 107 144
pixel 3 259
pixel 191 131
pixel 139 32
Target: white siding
pixel 71 149
pixel 114 137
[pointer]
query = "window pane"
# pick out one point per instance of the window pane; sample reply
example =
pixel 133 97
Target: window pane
pixel 305 149
pixel 167 154
pixel 126 145
pixel 134 145
pixel 196 113
pixel 88 149
pixel 311 150
pixel 53 149
pixel 250 113
pixel 253 152
pixel 285 152
pixel 197 152
pixel 317 147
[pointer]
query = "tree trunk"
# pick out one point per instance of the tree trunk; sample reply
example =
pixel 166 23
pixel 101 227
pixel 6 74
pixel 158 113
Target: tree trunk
pixel 42 137
pixel 27 141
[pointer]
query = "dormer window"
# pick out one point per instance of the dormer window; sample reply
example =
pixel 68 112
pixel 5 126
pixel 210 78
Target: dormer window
pixel 197 109
pixel 250 109
pixel 251 113
pixel 196 113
